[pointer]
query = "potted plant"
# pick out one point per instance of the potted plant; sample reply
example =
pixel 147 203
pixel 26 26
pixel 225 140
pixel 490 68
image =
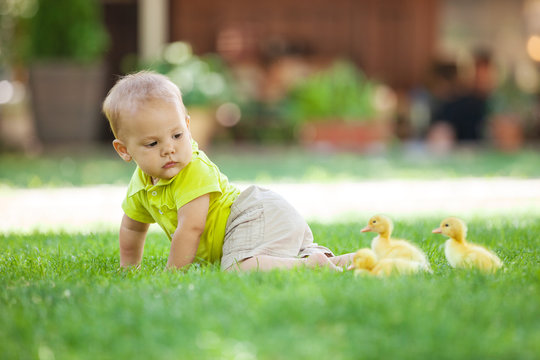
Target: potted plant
pixel 64 47
pixel 338 107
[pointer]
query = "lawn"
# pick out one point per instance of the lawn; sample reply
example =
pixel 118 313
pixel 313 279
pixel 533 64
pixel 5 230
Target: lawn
pixel 103 166
pixel 63 296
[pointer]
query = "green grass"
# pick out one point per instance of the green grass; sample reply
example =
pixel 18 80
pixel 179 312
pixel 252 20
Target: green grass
pixel 62 296
pixel 103 166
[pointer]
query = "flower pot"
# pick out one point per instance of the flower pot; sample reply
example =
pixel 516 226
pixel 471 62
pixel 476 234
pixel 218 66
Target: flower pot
pixel 507 132
pixel 66 100
pixel 339 134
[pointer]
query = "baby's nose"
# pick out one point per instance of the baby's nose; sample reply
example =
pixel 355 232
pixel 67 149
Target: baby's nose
pixel 168 148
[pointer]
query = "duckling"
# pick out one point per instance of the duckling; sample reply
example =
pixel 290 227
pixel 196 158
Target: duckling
pixel 365 262
pixel 387 248
pixel 462 254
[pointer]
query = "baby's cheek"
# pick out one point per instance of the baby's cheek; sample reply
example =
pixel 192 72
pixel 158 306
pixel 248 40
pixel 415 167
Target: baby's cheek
pixel 189 154
pixel 186 159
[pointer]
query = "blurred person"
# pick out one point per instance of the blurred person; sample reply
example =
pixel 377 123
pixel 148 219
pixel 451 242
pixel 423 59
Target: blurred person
pixel 207 219
pixel 459 109
pixel 484 74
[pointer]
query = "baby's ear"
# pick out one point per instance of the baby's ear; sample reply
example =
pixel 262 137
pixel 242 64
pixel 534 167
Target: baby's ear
pixel 121 149
pixel 187 125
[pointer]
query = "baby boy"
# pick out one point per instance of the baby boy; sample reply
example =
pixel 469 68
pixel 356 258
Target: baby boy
pixel 206 218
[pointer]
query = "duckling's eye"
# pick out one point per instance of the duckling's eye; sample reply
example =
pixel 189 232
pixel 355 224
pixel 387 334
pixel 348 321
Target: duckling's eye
pixel 374 221
pixel 446 225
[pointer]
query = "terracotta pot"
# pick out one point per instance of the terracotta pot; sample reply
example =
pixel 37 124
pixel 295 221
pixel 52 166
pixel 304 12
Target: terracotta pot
pixel 507 132
pixel 66 100
pixel 346 135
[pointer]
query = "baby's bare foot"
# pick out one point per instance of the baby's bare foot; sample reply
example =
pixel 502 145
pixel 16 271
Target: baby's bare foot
pixel 319 260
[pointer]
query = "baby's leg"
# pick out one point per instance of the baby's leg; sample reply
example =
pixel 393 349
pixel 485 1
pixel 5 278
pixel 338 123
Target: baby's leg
pixel 344 260
pixel 267 262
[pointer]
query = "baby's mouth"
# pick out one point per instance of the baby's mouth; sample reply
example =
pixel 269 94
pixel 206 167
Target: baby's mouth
pixel 169 165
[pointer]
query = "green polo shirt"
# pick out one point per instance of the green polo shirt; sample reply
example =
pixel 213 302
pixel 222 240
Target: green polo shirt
pixel 148 203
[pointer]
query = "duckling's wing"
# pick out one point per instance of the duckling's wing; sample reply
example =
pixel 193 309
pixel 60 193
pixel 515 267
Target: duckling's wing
pixel 482 258
pixel 403 249
pixel 471 259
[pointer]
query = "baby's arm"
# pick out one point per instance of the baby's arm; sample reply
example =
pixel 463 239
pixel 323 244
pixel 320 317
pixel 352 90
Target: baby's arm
pixel 132 236
pixel 185 240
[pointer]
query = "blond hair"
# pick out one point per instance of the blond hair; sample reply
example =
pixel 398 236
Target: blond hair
pixel 135 89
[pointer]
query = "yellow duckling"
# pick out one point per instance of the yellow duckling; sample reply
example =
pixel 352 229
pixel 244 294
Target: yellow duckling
pixel 462 254
pixel 387 248
pixel 365 262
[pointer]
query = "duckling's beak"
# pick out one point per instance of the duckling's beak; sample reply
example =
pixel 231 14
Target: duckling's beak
pixel 437 231
pixel 366 229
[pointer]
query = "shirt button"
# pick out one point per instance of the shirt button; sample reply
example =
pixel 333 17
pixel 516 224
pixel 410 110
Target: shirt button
pixel 154 193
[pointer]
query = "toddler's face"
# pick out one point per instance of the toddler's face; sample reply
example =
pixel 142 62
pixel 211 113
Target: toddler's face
pixel 157 137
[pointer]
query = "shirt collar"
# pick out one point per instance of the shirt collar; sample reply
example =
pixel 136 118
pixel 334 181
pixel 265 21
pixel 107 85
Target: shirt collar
pixel 140 181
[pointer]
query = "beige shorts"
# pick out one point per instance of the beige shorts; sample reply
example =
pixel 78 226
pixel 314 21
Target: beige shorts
pixel 263 223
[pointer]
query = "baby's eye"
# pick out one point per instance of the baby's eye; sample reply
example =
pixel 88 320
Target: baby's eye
pixel 178 136
pixel 152 144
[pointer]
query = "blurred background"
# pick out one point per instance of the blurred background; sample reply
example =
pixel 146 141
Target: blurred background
pixel 360 75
